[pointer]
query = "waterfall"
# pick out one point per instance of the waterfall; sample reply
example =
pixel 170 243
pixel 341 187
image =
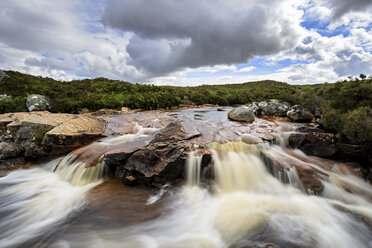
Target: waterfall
pixel 193 169
pixel 35 203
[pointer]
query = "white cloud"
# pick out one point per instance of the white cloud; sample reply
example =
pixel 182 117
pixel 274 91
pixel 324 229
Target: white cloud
pixel 186 42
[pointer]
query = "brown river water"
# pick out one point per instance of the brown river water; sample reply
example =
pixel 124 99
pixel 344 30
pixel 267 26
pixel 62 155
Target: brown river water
pixel 71 202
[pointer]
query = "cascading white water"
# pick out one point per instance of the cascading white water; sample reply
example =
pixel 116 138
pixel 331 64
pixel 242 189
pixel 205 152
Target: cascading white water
pixel 35 203
pixel 193 168
pixel 247 207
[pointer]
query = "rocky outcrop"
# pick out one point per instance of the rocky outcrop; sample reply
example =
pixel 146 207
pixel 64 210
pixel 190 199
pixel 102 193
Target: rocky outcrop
pixel 2 75
pixel 314 143
pixel 241 113
pixel 40 133
pixel 299 114
pixel 154 164
pixel 37 102
pixel 274 108
pixel 155 161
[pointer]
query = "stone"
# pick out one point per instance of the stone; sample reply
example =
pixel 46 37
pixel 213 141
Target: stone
pixel 241 113
pixel 155 164
pixel 125 110
pixel 299 114
pixel 274 108
pixel 250 139
pixel 37 102
pixel 72 134
pixel 11 150
pixel 173 132
pixel 314 143
pixel 2 75
pixel 39 133
pixel 306 128
pixel 106 111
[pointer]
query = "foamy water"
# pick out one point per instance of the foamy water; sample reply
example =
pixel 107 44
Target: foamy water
pixel 245 205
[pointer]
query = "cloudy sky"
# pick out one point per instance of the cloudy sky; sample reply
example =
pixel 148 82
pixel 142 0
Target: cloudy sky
pixel 188 42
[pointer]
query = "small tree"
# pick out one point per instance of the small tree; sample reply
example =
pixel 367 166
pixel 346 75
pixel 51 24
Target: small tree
pixel 362 76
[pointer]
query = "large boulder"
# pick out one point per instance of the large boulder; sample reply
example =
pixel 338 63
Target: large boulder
pixel 37 102
pixel 241 113
pixel 274 108
pixel 156 160
pixel 39 133
pixel 314 143
pixel 2 75
pixel 299 114
pixel 153 165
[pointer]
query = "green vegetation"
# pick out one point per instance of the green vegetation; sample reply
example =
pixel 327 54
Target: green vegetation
pixel 345 105
pixel 39 138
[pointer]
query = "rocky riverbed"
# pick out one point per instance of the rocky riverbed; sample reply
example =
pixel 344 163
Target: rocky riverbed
pixel 187 177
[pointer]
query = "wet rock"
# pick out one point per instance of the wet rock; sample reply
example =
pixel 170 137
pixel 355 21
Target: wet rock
pixel 250 139
pixel 242 113
pixel 220 109
pixel 306 175
pixel 155 164
pixel 115 158
pixel 314 143
pixel 37 102
pixel 299 114
pixel 274 108
pixel 309 180
pixel 173 132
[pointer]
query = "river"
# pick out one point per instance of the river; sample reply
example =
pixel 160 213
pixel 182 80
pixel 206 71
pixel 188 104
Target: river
pixel 63 203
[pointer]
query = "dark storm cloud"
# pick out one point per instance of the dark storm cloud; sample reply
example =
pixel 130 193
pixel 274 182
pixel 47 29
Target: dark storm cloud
pixel 341 7
pixel 170 35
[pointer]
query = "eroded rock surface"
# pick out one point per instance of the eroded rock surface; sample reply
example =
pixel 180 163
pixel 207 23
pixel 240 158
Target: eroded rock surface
pixel 242 113
pixel 40 133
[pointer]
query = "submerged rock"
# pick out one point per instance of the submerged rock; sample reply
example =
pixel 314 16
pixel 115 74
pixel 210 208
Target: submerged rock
pixel 299 114
pixel 307 177
pixel 241 113
pixel 37 102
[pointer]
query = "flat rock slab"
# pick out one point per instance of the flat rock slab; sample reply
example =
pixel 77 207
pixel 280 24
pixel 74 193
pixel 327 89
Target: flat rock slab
pixel 51 133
